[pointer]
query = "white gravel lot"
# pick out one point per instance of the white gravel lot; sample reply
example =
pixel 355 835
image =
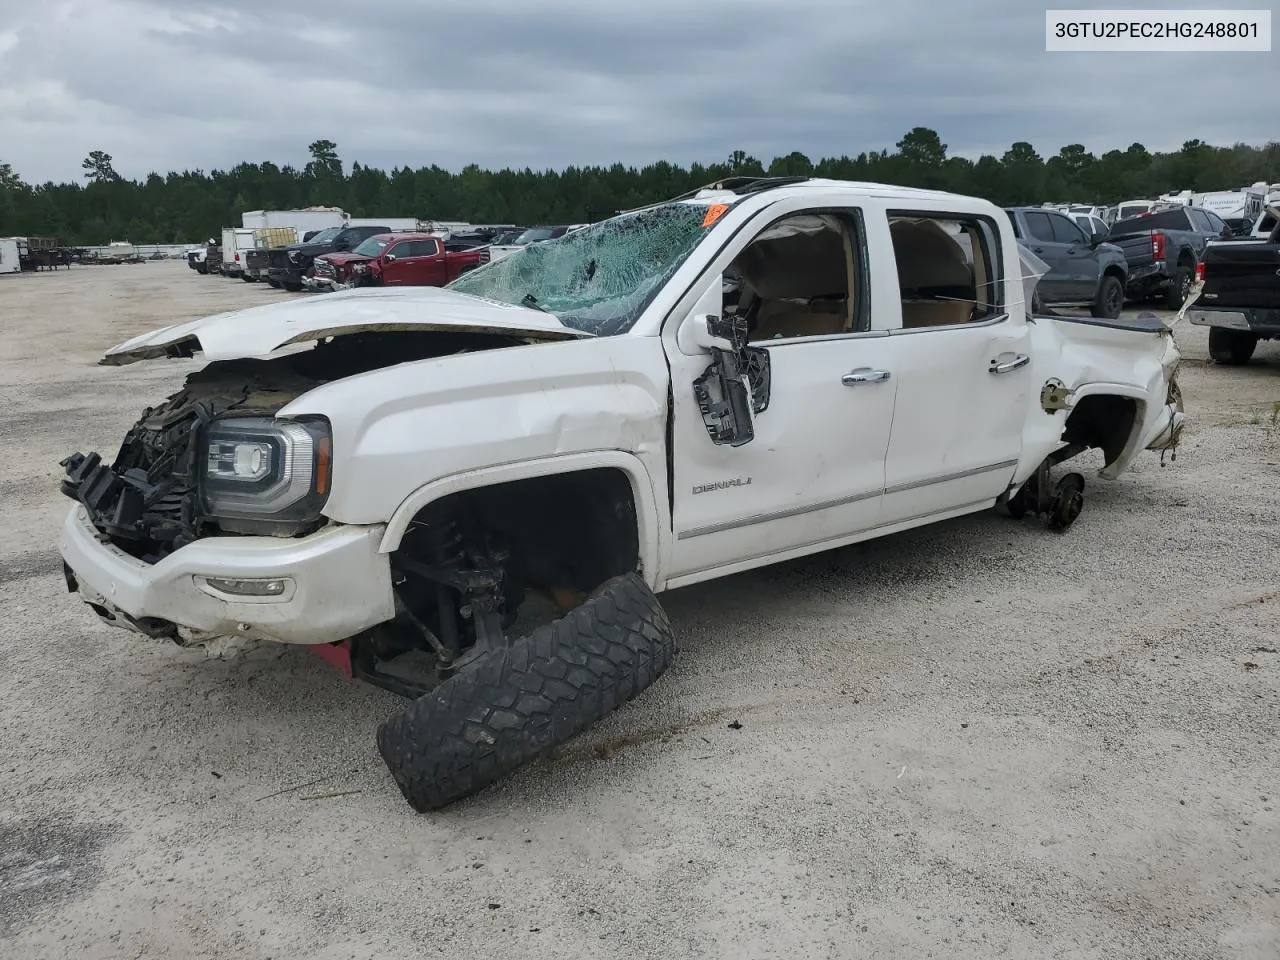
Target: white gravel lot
pixel 978 739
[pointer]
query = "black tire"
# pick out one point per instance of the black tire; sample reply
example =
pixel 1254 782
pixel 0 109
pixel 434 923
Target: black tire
pixel 1178 288
pixel 1110 300
pixel 293 286
pixel 1233 348
pixel 520 702
pixel 202 268
pixel 246 278
pixel 273 283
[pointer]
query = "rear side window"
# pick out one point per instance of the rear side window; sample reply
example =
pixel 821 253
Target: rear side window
pixel 1200 221
pixel 948 268
pixel 1039 227
pixel 1065 231
pixel 1216 223
pixel 418 248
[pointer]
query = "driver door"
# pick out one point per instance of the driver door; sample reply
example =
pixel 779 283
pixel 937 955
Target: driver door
pixel 397 264
pixel 815 469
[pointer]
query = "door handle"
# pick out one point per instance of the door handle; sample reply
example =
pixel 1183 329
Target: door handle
pixel 864 375
pixel 1037 249
pixel 1021 360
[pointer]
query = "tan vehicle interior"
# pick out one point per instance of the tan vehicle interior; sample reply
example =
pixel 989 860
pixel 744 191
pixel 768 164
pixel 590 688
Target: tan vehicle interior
pixel 798 278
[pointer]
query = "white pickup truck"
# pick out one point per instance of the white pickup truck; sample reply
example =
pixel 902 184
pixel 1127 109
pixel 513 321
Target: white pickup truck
pixel 495 479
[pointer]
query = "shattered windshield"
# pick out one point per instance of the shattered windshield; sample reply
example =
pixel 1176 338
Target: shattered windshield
pixel 325 235
pixel 600 278
pixel 371 247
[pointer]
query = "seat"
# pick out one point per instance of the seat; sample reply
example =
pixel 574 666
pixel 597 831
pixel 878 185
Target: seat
pixel 795 279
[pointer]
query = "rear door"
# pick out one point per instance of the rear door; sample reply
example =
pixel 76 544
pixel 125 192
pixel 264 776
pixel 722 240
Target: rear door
pixel 428 264
pixel 1054 286
pixel 964 382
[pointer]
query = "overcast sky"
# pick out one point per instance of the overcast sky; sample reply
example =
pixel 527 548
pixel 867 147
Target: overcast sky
pixel 164 85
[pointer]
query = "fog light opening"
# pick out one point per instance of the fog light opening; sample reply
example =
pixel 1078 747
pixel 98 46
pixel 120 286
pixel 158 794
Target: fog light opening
pixel 273 588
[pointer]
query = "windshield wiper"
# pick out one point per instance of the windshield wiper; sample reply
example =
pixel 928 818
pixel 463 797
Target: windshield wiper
pixel 531 301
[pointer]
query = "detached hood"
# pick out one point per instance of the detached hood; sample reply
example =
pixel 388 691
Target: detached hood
pixel 259 331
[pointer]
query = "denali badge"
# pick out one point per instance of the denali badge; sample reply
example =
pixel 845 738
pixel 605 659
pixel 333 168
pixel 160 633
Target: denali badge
pixel 721 485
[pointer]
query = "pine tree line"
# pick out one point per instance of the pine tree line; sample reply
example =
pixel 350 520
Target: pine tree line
pixel 191 205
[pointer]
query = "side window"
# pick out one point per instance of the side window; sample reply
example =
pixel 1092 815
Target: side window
pixel 1065 230
pixel 398 250
pixel 1039 227
pixel 1017 226
pixel 421 248
pixel 801 276
pixel 948 268
pixel 1216 223
pixel 1198 220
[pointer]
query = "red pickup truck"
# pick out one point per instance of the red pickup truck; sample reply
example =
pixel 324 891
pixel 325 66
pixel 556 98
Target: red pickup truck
pixel 394 259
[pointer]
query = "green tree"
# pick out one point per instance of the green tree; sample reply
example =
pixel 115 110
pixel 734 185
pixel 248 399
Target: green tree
pixel 9 179
pixel 98 169
pixel 922 147
pixel 324 159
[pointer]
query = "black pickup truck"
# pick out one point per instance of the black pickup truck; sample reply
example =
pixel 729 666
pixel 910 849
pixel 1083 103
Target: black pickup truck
pixel 1238 296
pixel 286 266
pixel 1163 248
pixel 1084 271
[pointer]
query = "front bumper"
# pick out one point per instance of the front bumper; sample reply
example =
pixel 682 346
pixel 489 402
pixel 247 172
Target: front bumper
pixel 288 274
pixel 324 284
pixel 341 584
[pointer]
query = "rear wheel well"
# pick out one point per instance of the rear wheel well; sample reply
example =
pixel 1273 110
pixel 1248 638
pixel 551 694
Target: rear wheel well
pixel 1186 258
pixel 1102 421
pixel 1115 270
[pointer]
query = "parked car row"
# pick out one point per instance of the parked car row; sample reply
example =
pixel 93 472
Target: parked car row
pixel 1240 208
pixel 365 254
pixel 1153 254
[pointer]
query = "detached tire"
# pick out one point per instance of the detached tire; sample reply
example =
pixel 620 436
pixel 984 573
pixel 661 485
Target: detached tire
pixel 1232 348
pixel 293 286
pixel 522 701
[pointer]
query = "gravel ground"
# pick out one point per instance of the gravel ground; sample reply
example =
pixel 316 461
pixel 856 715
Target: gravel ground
pixel 978 739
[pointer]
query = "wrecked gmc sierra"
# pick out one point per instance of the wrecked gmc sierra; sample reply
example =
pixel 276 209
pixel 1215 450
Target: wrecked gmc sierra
pixel 495 479
pixel 394 259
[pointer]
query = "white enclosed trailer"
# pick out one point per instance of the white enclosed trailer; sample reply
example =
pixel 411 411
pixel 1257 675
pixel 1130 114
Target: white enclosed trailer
pixel 9 262
pixel 311 218
pixel 395 224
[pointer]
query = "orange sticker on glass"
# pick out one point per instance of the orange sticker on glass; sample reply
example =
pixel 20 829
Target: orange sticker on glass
pixel 714 213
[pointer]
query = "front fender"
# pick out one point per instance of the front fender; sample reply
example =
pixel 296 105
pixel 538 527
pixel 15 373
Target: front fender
pixel 401 429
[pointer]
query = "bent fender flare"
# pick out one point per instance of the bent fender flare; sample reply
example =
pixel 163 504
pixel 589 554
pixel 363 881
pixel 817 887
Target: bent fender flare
pixel 1134 445
pixel 654 531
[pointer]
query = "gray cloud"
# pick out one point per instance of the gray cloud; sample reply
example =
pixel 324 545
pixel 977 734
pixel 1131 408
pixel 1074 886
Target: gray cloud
pixel 558 82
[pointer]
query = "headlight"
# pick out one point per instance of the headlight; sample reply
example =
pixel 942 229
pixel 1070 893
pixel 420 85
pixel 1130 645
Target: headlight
pixel 266 476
